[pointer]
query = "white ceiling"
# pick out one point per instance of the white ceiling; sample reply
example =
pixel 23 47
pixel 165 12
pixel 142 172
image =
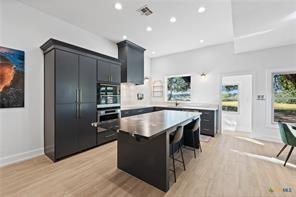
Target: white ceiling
pixel 260 24
pixel 252 24
pixel 99 16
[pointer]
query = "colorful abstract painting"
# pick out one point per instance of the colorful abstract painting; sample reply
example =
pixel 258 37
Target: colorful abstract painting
pixel 12 78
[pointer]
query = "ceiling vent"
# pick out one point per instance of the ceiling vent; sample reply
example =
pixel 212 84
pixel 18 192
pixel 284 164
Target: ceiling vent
pixel 145 10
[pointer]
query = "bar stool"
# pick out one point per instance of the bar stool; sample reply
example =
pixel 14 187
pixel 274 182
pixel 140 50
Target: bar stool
pixel 176 139
pixel 196 128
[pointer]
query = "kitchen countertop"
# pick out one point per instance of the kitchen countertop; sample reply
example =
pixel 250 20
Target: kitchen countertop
pixel 152 124
pixel 212 107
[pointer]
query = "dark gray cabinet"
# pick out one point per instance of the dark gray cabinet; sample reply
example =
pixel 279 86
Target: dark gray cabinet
pixel 108 71
pixel 70 83
pixel 87 79
pixel 132 58
pixel 106 136
pixel 66 132
pixel 208 122
pixel 74 86
pixel 87 134
pixel 66 69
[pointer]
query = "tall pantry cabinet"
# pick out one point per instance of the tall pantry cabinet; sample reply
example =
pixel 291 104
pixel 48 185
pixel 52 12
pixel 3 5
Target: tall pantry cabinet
pixel 70 78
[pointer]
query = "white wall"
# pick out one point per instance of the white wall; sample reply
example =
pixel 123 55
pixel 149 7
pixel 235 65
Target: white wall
pixel 220 60
pixel 24 28
pixel 241 120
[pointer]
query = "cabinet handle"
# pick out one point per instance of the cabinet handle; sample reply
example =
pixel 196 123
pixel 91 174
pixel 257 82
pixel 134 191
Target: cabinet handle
pixel 80 95
pixel 77 104
pixel 79 111
pixel 77 96
pixel 206 120
pixel 110 77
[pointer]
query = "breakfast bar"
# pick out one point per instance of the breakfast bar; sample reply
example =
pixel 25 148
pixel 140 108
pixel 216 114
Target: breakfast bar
pixel 143 144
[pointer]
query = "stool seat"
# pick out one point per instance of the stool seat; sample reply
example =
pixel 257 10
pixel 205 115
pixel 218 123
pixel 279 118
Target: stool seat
pixel 196 128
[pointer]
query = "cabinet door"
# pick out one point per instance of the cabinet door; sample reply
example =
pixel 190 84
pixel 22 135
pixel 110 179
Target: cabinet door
pixel 66 77
pixel 87 79
pixel 135 66
pixel 103 71
pixel 87 135
pixel 115 73
pixel 66 130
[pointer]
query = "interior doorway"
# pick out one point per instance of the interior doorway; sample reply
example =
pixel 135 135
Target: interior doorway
pixel 236 102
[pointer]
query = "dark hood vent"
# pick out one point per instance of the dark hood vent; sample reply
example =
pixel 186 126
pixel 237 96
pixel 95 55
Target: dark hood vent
pixel 132 58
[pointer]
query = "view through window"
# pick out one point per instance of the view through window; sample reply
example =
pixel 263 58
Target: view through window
pixel 230 100
pixel 284 97
pixel 179 88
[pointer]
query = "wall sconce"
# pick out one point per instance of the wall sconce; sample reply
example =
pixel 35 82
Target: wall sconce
pixel 203 76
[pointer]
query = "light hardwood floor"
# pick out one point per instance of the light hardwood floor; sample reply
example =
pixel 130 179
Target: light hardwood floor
pixel 230 165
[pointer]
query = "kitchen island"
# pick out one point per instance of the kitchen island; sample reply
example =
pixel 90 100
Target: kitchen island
pixel 143 144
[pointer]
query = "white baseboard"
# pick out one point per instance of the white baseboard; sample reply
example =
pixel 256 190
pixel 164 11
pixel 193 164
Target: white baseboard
pixel 266 138
pixel 20 157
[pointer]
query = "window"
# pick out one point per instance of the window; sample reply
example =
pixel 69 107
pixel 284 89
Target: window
pixel 284 97
pixel 179 88
pixel 230 100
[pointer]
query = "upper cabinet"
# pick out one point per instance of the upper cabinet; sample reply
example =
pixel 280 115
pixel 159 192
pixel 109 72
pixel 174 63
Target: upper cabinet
pixel 132 58
pixel 109 71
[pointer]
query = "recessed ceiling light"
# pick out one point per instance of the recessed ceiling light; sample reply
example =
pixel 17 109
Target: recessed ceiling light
pixel 201 41
pixel 118 6
pixel 153 52
pixel 149 28
pixel 124 37
pixel 173 19
pixel 201 9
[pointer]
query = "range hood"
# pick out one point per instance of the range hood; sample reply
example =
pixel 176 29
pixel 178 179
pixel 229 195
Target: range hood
pixel 132 59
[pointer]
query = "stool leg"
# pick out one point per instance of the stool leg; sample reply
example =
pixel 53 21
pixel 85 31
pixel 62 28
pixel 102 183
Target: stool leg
pixel 289 154
pixel 281 150
pixel 193 144
pixel 180 147
pixel 174 164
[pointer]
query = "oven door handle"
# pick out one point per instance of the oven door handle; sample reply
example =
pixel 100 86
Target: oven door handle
pixel 108 121
pixel 108 113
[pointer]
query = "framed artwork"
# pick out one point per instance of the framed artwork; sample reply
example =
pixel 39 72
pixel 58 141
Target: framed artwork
pixel 12 78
